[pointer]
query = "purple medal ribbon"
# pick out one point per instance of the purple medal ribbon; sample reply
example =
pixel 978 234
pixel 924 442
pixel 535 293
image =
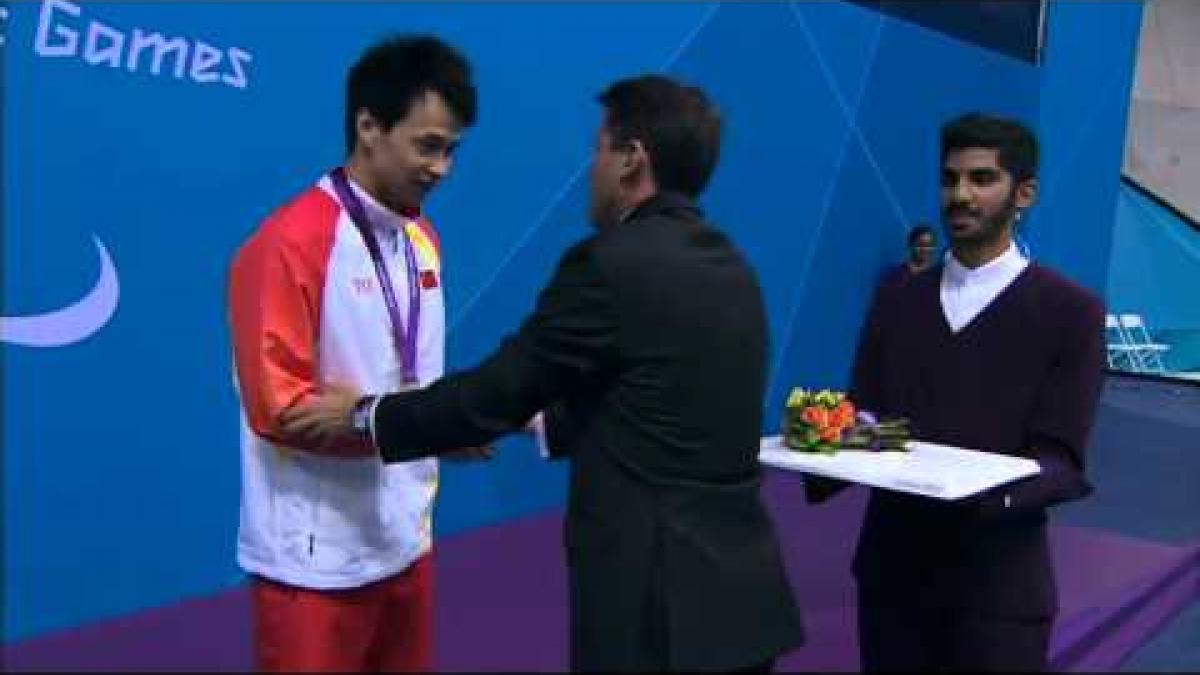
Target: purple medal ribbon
pixel 405 341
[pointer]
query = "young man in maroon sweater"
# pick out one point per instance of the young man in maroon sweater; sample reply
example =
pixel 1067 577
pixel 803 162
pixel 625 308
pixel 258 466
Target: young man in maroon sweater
pixel 989 351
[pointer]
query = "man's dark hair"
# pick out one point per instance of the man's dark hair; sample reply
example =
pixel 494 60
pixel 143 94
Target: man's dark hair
pixel 1016 146
pixel 919 231
pixel 679 127
pixel 397 71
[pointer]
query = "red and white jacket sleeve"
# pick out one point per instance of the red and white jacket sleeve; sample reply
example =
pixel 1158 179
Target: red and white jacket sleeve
pixel 276 290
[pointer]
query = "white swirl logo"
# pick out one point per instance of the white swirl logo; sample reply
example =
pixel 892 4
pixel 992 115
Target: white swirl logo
pixel 73 323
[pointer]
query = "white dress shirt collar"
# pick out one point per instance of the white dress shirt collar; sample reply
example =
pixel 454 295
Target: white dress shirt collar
pixel 1002 269
pixel 965 291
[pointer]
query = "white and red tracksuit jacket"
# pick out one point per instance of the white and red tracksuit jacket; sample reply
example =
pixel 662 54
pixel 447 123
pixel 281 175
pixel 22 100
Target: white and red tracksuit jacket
pixel 306 309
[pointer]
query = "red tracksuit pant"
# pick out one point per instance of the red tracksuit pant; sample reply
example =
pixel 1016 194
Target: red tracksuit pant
pixel 383 626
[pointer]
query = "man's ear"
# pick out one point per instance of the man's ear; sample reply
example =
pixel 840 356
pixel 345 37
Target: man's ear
pixel 1027 193
pixel 368 129
pixel 634 158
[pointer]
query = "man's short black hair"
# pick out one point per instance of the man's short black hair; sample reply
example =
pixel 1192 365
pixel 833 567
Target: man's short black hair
pixel 678 125
pixel 397 71
pixel 917 232
pixel 1016 146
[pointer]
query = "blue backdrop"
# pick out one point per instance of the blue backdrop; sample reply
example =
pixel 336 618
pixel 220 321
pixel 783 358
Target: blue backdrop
pixel 1154 272
pixel 120 463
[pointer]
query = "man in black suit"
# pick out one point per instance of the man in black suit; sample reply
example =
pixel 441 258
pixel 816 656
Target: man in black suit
pixel 647 354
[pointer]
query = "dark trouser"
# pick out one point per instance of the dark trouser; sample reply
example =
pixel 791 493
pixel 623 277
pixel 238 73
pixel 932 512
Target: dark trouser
pixel 898 639
pixel 764 667
pixel 655 642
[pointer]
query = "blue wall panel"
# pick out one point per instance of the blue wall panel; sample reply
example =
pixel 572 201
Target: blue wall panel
pixel 1085 89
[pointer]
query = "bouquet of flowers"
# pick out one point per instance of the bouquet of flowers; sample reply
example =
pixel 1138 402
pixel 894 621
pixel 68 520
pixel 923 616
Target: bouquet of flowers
pixel 823 421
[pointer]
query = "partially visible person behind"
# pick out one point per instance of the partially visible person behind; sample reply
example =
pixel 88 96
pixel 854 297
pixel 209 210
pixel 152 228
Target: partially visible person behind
pixel 922 249
pixel 344 283
pixel 986 351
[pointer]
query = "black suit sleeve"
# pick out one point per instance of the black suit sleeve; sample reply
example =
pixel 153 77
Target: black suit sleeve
pixel 570 337
pixel 561 427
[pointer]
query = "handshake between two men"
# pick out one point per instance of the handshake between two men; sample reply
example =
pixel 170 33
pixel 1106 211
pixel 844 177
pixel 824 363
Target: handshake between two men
pixel 340 413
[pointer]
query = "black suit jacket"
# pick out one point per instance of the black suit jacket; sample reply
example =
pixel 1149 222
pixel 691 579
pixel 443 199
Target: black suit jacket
pixel 648 352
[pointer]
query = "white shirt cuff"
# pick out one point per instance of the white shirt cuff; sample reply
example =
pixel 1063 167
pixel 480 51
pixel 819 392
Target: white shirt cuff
pixel 371 418
pixel 537 426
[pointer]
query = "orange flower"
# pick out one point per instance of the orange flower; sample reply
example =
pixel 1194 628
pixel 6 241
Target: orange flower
pixel 816 416
pixel 831 434
pixel 843 414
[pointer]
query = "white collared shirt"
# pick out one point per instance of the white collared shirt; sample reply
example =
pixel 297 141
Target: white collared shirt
pixel 966 292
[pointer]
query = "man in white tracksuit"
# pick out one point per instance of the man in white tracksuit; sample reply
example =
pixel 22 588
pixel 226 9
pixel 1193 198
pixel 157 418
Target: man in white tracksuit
pixel 343 284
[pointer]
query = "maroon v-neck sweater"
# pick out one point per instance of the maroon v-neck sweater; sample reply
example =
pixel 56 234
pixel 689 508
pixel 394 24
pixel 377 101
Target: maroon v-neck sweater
pixel 1023 378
